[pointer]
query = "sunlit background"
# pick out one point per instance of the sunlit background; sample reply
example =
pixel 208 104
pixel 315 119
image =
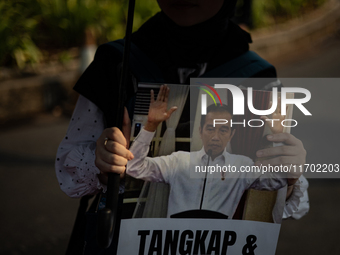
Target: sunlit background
pixel 45 45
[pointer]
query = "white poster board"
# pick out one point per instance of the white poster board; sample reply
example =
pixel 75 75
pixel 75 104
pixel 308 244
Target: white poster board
pixel 197 236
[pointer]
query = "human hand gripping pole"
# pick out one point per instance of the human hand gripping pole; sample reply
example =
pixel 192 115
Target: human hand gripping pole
pixel 112 155
pixel 107 217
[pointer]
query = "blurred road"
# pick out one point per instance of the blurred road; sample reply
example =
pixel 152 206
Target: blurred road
pixel 318 232
pixel 37 218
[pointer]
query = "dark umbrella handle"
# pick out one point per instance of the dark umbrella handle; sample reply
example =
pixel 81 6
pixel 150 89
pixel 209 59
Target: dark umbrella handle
pixel 107 217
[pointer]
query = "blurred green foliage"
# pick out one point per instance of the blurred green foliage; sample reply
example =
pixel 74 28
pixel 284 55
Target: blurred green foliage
pixel 271 12
pixel 18 23
pixel 32 30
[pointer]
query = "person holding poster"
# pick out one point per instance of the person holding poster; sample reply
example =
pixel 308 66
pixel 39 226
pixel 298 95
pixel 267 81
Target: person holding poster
pixel 170 40
pixel 186 39
pixel 186 172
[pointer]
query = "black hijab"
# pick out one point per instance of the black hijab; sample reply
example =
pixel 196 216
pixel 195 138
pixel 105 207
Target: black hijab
pixel 171 46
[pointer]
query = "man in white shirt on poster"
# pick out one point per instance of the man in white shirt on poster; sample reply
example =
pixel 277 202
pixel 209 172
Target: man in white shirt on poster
pixel 191 189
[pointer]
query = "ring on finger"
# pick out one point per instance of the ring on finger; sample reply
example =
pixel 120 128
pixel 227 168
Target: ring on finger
pixel 105 141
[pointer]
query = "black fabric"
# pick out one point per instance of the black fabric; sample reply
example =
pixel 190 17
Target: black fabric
pixel 76 242
pixel 243 13
pixel 170 46
pixel 99 83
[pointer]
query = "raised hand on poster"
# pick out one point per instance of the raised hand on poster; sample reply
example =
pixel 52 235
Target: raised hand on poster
pixel 158 110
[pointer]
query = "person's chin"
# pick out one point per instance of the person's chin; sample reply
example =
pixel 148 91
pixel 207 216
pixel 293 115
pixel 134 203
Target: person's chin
pixel 185 15
pixel 182 5
pixel 216 150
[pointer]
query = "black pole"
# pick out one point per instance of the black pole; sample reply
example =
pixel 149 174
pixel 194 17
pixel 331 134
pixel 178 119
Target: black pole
pixel 205 178
pixel 107 218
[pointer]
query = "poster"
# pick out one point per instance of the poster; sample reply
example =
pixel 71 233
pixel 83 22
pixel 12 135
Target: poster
pixel 197 197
